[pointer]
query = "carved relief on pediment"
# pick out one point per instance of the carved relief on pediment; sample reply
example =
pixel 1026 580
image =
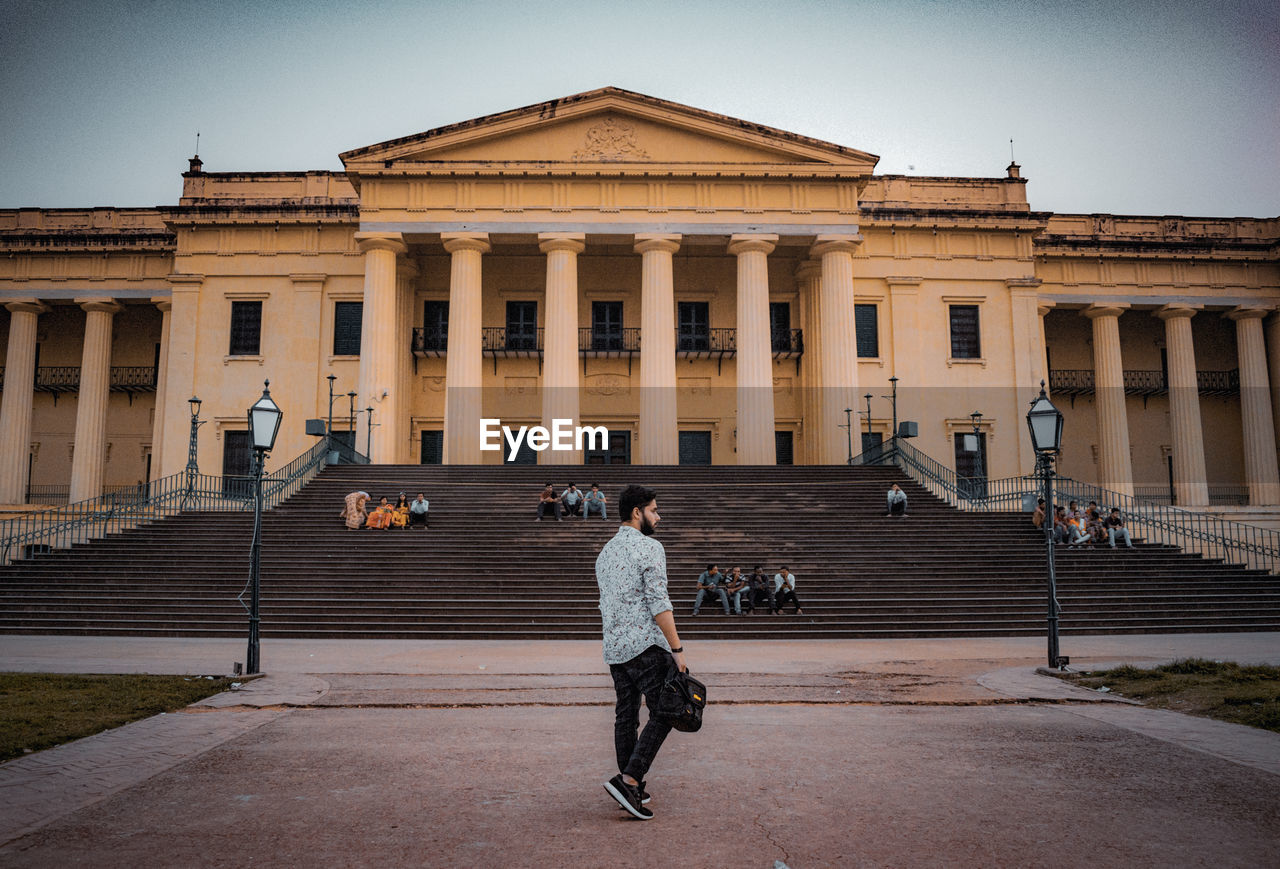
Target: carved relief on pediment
pixel 611 139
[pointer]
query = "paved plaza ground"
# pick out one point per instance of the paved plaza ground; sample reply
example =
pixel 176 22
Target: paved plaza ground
pixel 491 754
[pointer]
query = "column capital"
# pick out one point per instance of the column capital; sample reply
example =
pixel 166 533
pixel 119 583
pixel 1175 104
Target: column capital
pixel 103 305
pixel 1177 310
pixel 661 241
pixel 26 306
pixel 456 241
pixel 745 243
pixel 1248 312
pixel 574 242
pixel 809 270
pixel 392 241
pixel 836 244
pixel 1113 310
pixel 164 303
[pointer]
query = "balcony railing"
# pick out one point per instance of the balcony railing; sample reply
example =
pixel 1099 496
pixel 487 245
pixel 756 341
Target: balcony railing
pixel 787 343
pixel 1145 383
pixel 66 378
pixel 433 342
pixel 500 341
pixel 608 342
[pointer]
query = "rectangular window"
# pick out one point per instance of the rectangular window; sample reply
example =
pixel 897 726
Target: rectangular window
pixel 522 325
pixel 780 326
pixel 866 324
pixel 435 324
pixel 347 320
pixel 246 328
pixel 965 343
pixel 693 329
pixel 606 325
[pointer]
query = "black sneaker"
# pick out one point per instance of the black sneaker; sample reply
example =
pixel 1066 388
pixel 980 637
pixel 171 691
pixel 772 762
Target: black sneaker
pixel 644 795
pixel 629 797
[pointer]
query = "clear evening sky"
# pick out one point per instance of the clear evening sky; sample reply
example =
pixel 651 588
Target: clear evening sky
pixel 1126 107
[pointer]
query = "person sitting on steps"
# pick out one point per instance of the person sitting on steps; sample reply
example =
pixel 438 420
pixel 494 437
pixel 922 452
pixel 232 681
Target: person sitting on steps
pixel 897 501
pixel 709 583
pixel 380 516
pixel 595 500
pixel 548 502
pixel 572 501
pixel 784 586
pixel 1116 529
pixel 418 511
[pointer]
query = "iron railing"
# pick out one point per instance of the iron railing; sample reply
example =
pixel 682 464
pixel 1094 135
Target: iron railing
pixel 66 378
pixel 432 341
pixel 606 341
pixel 1189 530
pixel 132 506
pixel 500 340
pixel 1081 381
pixel 1219 496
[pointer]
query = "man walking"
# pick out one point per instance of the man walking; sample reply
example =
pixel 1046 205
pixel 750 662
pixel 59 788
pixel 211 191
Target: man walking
pixel 640 640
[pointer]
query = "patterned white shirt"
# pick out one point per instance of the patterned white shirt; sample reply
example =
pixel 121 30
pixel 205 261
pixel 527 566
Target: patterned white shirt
pixel 631 571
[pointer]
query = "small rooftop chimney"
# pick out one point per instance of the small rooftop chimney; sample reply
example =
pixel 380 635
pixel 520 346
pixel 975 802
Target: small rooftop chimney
pixel 1014 170
pixel 196 164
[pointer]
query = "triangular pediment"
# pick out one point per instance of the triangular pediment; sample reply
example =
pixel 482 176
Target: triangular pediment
pixel 608 126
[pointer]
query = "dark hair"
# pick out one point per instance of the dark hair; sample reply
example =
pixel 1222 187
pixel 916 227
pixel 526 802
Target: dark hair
pixel 632 497
pixel 1115 509
pixel 571 485
pixel 594 486
pixel 1039 500
pixel 548 482
pixel 783 567
pixel 757 567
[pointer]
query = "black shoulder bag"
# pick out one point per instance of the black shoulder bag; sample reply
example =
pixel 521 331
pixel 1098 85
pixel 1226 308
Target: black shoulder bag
pixel 681 700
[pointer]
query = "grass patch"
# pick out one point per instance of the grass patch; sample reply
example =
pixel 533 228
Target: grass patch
pixel 1213 689
pixel 41 710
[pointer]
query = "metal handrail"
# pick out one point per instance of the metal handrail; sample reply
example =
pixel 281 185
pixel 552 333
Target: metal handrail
pixel 1082 381
pixel 63 527
pixel 1192 531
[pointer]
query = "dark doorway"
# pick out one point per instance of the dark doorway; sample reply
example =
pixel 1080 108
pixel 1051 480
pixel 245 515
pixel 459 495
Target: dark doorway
pixel 971 465
pixel 618 453
pixel 237 464
pixel 432 447
pixel 695 447
pixel 524 456
pixel 872 443
pixel 784 447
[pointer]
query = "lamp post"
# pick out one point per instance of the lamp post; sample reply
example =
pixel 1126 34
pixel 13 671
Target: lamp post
pixel 868 397
pixel 893 396
pixel 351 421
pixel 329 429
pixel 193 466
pixel 1045 423
pixel 848 429
pixel 264 425
pixel 368 438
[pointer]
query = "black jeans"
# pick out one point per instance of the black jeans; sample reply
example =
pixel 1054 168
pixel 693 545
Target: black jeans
pixel 642 675
pixel 783 596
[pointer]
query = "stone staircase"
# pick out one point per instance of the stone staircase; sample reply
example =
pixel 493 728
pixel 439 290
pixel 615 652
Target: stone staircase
pixel 485 569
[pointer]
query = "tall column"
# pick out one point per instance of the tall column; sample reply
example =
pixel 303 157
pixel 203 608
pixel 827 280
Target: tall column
pixel 1260 467
pixel 90 452
pixel 462 403
pixel 15 407
pixel 838 365
pixel 809 283
pixel 560 354
pixel 162 382
pixel 401 428
pixel 1115 468
pixel 1272 330
pixel 756 443
pixel 659 437
pixel 1189 477
pixel 1043 307
pixel 378 387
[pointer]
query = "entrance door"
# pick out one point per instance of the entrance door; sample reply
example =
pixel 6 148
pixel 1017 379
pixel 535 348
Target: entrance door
pixel 971 465
pixel 784 446
pixel 618 453
pixel 237 465
pixel 871 443
pixel 695 447
pixel 432 447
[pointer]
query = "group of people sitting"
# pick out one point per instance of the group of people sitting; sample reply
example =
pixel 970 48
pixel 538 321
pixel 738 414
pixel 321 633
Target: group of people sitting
pixel 571 502
pixel 1076 528
pixel 748 592
pixel 403 514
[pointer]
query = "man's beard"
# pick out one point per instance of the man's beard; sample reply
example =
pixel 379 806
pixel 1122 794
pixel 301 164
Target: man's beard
pixel 646 527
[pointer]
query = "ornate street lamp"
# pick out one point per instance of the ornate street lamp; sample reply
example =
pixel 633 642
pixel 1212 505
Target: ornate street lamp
pixel 193 467
pixel 368 438
pixel 893 396
pixel 264 425
pixel 351 421
pixel 1045 424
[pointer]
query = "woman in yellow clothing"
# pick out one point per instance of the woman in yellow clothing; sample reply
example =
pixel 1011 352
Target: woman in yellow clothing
pixel 400 515
pixel 380 516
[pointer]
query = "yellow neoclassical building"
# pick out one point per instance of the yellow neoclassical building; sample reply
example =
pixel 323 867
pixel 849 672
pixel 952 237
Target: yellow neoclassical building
pixel 708 289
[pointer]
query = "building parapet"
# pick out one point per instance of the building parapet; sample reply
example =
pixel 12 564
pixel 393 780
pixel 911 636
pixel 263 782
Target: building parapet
pixel 1069 234
pixel 72 229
